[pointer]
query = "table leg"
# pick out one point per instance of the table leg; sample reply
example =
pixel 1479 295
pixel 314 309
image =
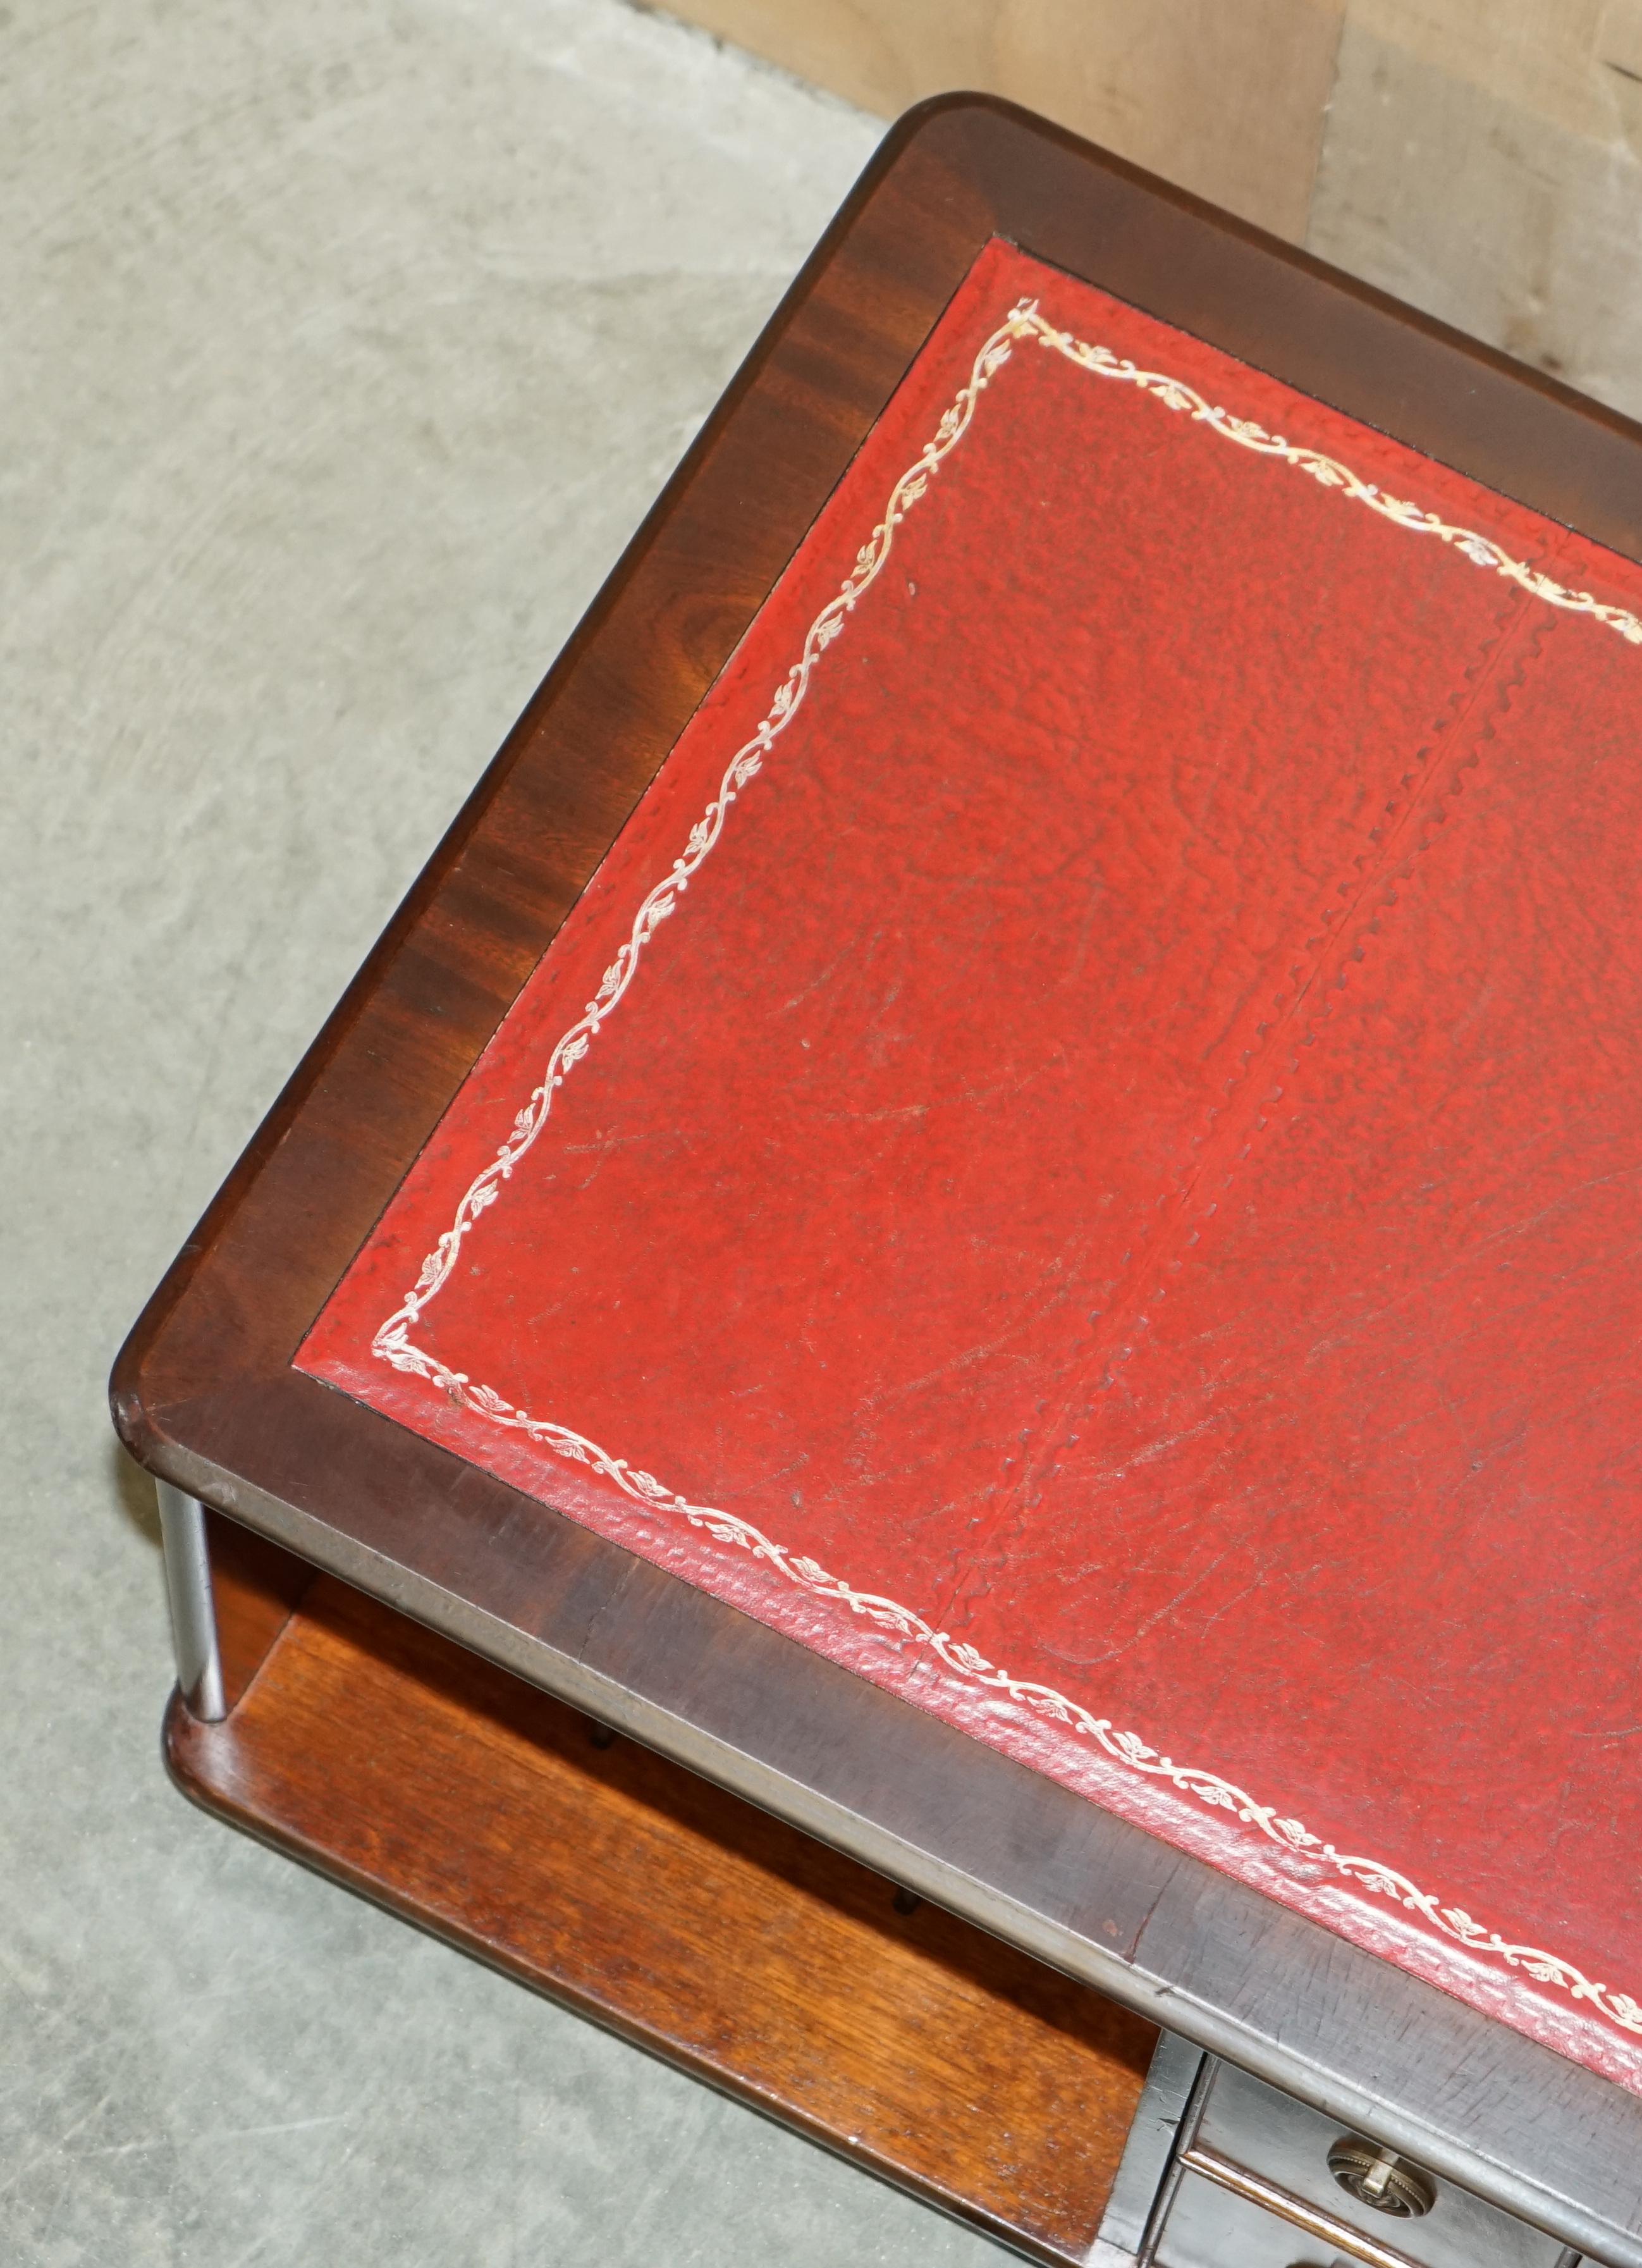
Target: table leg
pixel 192 1607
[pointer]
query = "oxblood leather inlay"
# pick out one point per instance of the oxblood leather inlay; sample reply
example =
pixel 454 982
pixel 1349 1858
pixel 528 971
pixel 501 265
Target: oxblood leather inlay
pixel 1081 1154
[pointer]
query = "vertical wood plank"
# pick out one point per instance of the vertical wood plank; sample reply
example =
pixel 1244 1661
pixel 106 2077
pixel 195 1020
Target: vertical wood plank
pixel 1485 163
pixel 256 1588
pixel 1226 101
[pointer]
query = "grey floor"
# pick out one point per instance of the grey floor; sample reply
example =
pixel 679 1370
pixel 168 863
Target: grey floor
pixel 341 344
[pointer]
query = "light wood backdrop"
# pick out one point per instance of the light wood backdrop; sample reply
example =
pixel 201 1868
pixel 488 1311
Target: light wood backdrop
pixel 1482 158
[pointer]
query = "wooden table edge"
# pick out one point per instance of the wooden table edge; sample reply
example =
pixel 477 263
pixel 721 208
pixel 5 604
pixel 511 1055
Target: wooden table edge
pixel 976 138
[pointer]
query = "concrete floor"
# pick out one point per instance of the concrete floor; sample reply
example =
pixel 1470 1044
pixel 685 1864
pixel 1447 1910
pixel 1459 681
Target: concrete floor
pixel 343 343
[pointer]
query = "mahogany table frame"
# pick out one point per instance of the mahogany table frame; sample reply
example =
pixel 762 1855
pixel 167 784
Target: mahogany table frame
pixel 205 1396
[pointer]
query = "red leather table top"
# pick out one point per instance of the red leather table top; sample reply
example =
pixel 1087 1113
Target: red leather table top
pixel 1080 1155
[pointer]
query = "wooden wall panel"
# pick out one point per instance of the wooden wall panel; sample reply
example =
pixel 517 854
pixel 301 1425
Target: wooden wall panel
pixel 1485 163
pixel 1562 61
pixel 1482 158
pixel 1225 97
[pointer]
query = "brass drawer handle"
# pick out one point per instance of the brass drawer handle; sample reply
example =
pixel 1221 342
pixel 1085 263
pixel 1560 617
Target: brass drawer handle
pixel 1380 2178
pixel 1294 2209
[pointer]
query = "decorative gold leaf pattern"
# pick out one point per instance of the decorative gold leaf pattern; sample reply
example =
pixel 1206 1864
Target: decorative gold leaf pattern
pixel 393 1343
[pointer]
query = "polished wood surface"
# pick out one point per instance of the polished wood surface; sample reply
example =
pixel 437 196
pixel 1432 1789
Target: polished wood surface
pixel 683 1918
pixel 204 1393
pixel 256 1587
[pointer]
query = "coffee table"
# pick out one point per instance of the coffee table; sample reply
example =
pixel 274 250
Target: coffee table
pixel 601 1721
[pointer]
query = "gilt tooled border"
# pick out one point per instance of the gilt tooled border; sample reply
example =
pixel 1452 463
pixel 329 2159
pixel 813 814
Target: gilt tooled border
pixel 393 1343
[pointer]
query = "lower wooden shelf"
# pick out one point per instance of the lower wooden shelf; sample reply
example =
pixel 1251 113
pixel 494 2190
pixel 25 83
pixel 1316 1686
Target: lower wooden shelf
pixel 682 1918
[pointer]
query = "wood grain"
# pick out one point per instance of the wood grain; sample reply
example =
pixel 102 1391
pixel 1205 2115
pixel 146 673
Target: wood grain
pixel 1552 58
pixel 1485 162
pixel 256 1587
pixel 681 1918
pixel 204 1393
pixel 1488 167
pixel 1228 102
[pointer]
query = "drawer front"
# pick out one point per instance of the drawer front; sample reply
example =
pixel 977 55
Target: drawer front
pixel 1209 2228
pixel 1249 2129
